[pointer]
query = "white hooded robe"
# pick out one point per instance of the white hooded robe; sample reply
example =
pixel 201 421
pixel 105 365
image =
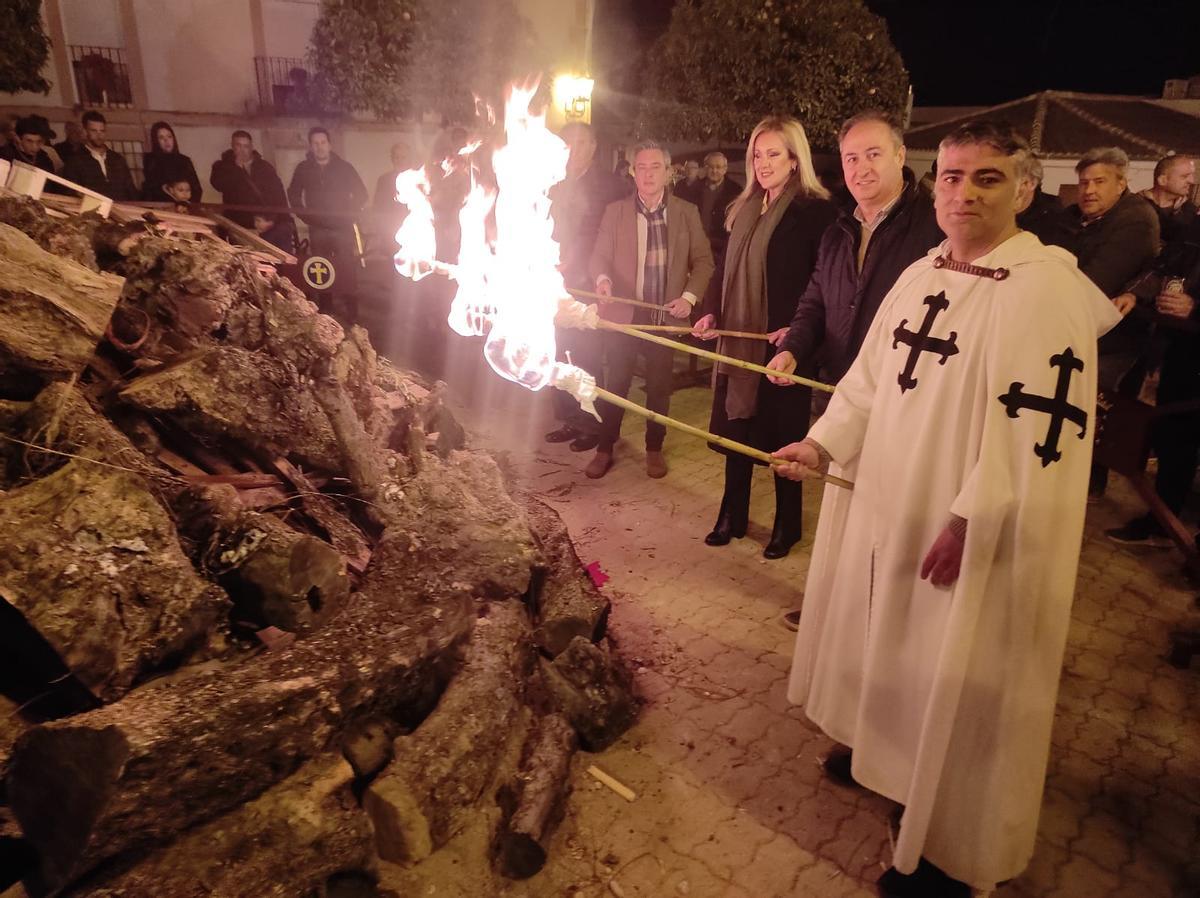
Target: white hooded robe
pixel 947 696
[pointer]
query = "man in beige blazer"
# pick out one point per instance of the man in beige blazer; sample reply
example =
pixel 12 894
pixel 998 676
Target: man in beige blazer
pixel 651 247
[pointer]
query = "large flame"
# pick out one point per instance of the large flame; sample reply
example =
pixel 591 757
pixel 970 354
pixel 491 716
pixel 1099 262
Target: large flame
pixel 416 239
pixel 509 287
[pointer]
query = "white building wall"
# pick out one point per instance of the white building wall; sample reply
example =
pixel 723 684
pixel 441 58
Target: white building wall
pixel 94 23
pixel 198 55
pixel 288 25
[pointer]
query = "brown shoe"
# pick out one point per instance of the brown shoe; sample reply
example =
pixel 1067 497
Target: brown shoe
pixel 599 464
pixel 656 465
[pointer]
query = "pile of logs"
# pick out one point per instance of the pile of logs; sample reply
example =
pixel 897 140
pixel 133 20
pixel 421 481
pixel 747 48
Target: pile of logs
pixel 268 623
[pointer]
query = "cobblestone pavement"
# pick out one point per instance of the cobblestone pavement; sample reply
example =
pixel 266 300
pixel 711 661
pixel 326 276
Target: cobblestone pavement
pixel 730 798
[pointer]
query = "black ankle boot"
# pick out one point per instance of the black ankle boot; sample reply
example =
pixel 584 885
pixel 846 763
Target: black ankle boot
pixel 724 530
pixel 783 537
pixel 927 881
pixel 789 500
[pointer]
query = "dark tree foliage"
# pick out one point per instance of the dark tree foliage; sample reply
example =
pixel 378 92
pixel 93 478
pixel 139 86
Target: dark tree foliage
pixel 402 58
pixel 24 47
pixel 724 64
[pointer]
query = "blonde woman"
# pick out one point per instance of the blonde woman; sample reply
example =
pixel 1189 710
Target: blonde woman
pixel 775 227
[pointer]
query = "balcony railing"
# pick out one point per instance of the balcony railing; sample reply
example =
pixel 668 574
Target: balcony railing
pixel 284 85
pixel 101 76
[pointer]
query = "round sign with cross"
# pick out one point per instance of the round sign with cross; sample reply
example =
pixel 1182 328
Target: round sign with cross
pixel 318 272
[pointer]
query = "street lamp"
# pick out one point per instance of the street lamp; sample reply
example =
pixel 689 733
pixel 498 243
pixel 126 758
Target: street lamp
pixel 573 95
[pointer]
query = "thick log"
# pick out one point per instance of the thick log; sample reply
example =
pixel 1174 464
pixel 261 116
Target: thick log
pixel 439 772
pixel 591 689
pixel 326 513
pixel 60 419
pixel 541 791
pixel 53 312
pixel 291 839
pixel 566 602
pixel 68 236
pixel 253 397
pixel 92 562
pixel 275 575
pixel 167 757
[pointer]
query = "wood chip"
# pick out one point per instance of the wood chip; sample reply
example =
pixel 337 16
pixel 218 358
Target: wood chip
pixel 617 786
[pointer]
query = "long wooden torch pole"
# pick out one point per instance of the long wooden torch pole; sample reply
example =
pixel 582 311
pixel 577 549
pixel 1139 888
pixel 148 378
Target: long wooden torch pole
pixel 723 442
pixel 712 356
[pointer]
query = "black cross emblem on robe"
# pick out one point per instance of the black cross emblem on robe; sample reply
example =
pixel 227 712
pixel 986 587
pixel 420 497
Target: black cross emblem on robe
pixel 921 341
pixel 1057 407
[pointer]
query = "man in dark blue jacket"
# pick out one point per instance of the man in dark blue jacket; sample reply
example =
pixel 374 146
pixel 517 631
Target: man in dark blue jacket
pixel 890 226
pixel 862 253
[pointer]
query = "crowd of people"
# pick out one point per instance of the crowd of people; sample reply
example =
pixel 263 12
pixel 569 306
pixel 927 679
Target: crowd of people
pixel 968 327
pixel 968 322
pixel 325 190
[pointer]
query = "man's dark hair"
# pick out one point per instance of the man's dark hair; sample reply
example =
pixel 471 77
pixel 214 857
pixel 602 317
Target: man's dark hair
pixel 317 129
pixel 1000 136
pixel 29 124
pixel 872 115
pixel 93 116
pixel 245 134
pixel 1161 167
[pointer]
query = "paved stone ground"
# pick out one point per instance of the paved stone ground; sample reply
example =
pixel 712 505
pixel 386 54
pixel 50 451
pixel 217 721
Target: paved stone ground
pixel 731 801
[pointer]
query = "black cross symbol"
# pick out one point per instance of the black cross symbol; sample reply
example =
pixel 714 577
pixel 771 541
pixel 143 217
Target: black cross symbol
pixel 1057 408
pixel 921 341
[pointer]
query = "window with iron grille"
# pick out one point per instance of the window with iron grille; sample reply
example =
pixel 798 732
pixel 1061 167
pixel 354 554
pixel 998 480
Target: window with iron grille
pixel 284 85
pixel 101 76
pixel 132 150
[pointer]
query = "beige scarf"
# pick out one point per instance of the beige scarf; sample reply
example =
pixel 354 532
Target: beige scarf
pixel 744 296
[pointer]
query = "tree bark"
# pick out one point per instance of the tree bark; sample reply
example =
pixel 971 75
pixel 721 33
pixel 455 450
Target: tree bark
pixel 275 575
pixel 440 771
pixel 592 691
pixel 252 397
pixel 567 603
pixel 53 312
pixel 135 773
pixel 310 821
pixel 92 562
pixel 542 787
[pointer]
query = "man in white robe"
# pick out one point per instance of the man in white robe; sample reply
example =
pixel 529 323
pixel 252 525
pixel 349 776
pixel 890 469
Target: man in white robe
pixel 936 609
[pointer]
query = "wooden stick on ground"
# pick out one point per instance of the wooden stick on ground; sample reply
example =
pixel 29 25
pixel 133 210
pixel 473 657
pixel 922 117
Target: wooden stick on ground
pixel 711 356
pixel 723 442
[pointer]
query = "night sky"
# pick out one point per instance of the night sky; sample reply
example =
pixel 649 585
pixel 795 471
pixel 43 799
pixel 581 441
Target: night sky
pixel 965 52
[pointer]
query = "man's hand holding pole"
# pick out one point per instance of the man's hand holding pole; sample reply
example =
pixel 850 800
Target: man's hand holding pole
pixel 785 363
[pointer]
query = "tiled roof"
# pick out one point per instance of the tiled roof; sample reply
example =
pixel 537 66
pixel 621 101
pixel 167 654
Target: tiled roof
pixel 1060 124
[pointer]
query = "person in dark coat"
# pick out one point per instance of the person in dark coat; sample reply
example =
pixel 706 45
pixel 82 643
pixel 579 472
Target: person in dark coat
pixel 325 182
pixel 775 227
pixel 1174 179
pixel 713 196
pixel 1115 240
pixel 99 168
pixel 28 148
pixel 890 225
pixel 74 142
pixel 1045 217
pixel 887 225
pixel 577 206
pixel 244 178
pixel 164 165
pixel 389 213
pixel 1173 291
